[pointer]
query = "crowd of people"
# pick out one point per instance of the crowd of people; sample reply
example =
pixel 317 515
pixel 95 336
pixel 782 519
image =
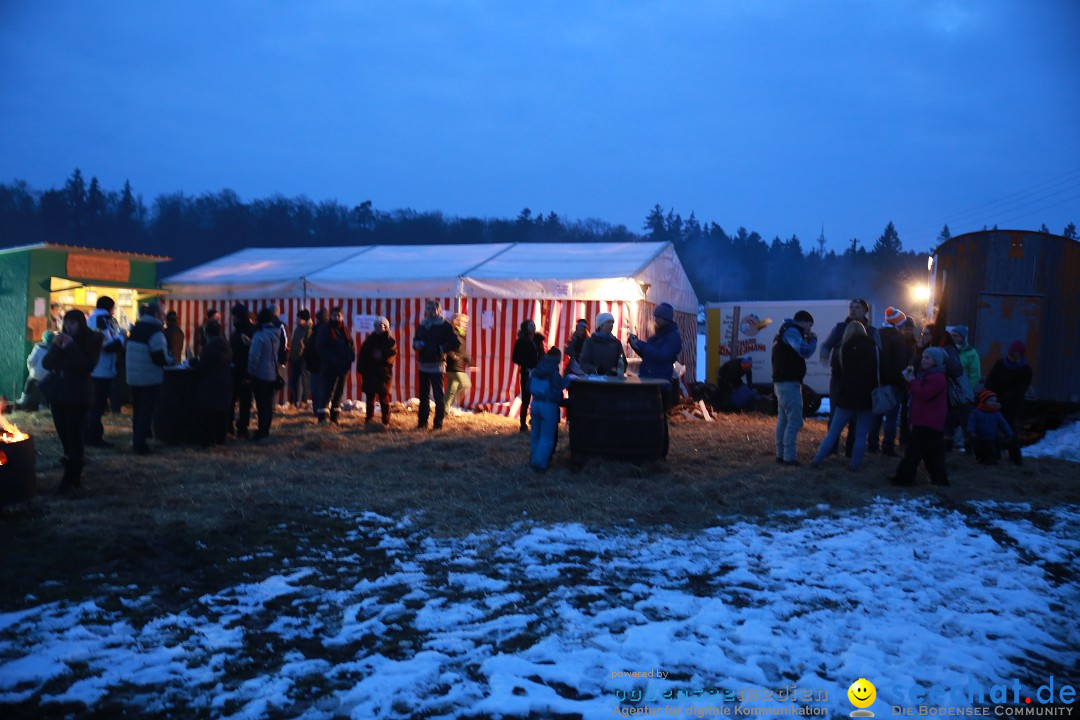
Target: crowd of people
pixel 887 388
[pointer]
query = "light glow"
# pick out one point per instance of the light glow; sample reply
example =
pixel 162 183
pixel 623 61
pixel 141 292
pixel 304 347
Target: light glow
pixel 920 293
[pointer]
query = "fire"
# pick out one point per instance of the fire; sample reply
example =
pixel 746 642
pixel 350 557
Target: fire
pixel 11 433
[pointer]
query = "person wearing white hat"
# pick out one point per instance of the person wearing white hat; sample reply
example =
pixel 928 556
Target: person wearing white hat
pixel 602 350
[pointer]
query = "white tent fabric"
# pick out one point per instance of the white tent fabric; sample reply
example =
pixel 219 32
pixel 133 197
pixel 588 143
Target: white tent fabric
pixel 585 271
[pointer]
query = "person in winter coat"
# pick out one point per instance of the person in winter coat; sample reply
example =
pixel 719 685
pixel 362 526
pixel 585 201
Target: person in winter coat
pixel 174 336
pixel 528 349
pixel 458 363
pixel 336 356
pixel 793 344
pixel 856 367
pixel 240 342
pixel 31 398
pixel 147 355
pixel 199 341
pixel 103 323
pixel 659 352
pixel 71 358
pixel 929 406
pixel 376 365
pixel 858 310
pixel 215 385
pixel 987 426
pixel 263 369
pixel 734 384
pixel 601 351
pixel 547 387
pixel 312 363
pixel 969 356
pixel 895 355
pixel 574 346
pixel 299 377
pixel 1010 377
pixel 433 339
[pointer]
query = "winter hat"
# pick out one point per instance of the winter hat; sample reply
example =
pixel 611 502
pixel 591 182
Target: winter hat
pixel 664 311
pixel 1018 347
pixel 47 336
pixel 938 354
pixel 747 362
pixel 986 395
pixel 803 316
pixel 239 310
pixel 894 316
pixel 603 318
pixel 961 330
pixel 582 323
pixel 304 314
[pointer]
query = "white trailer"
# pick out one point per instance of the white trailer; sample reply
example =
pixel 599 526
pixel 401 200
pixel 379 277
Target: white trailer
pixel 747 328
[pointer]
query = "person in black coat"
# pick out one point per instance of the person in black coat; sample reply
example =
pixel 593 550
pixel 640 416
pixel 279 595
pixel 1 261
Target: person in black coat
pixel 71 358
pixel 312 363
pixel 895 354
pixel 376 366
pixel 336 355
pixel 855 366
pixel 434 338
pixel 528 349
pixel 1010 378
pixel 243 331
pixel 215 384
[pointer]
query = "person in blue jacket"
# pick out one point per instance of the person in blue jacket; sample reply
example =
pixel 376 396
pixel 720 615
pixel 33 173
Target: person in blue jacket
pixel 547 385
pixel 659 352
pixel 987 426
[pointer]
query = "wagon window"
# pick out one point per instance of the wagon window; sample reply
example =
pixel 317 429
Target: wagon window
pixel 1016 248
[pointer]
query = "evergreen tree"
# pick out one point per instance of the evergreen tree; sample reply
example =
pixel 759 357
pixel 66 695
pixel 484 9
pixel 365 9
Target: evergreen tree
pixel 944 235
pixel 1070 231
pixel 1044 229
pixel 888 244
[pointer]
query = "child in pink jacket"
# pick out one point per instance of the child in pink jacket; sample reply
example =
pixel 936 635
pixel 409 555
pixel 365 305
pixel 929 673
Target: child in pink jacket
pixel 929 406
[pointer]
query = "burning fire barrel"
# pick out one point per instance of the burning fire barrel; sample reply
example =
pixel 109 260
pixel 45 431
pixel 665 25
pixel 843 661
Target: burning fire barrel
pixel 17 468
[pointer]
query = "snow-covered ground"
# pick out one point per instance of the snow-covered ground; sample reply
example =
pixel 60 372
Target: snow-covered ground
pixel 390 622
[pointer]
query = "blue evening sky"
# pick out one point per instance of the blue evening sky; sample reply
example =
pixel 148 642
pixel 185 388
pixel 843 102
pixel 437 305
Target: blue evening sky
pixel 777 116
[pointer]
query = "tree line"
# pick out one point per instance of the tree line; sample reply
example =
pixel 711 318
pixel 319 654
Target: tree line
pixel 195 229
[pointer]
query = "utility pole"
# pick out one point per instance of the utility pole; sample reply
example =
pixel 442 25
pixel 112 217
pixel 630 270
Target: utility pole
pixel 821 241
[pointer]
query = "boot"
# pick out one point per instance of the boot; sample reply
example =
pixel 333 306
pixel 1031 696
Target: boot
pixel 75 468
pixel 386 418
pixel 334 416
pixel 321 416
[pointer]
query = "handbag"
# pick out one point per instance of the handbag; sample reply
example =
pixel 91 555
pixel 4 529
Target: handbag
pixel 960 392
pixel 882 398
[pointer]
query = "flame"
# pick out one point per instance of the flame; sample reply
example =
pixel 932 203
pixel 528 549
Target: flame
pixel 11 433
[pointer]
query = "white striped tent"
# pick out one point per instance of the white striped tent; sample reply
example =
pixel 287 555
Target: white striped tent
pixel 497 285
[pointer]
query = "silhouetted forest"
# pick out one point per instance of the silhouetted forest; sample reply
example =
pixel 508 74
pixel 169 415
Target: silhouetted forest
pixel 192 230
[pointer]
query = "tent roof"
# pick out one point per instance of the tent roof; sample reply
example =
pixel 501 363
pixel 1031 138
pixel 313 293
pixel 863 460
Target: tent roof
pixel 613 271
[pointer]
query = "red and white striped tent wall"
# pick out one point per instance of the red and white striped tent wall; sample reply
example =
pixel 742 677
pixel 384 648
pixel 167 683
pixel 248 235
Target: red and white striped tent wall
pixel 498 286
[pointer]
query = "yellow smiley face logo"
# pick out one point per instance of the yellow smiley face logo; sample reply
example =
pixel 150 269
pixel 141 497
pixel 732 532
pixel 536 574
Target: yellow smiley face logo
pixel 862 693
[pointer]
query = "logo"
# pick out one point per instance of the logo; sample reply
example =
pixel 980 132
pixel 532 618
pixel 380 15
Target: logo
pixel 862 694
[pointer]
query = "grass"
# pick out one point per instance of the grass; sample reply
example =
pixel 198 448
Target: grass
pixel 189 521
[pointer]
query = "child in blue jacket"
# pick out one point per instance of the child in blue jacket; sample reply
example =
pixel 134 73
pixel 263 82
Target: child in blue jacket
pixel 547 385
pixel 987 426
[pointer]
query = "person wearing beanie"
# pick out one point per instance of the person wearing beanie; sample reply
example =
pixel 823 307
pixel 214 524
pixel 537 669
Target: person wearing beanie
pixel 102 322
pixel 546 386
pixel 793 344
pixel 299 377
pixel 987 427
pixel 659 352
pixel 147 356
pixel 969 356
pixel 895 354
pixel 375 362
pixel 600 353
pixel 894 316
pixel 929 406
pixel 1010 377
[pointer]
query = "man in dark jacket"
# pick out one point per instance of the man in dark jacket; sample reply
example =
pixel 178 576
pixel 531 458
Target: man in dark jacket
pixel 199 342
pixel 299 378
pixel 659 352
pixel 1010 378
pixel 312 364
pixel 215 385
pixel 858 311
pixel 336 355
pixel 793 344
pixel 895 355
pixel 243 331
pixel 434 337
